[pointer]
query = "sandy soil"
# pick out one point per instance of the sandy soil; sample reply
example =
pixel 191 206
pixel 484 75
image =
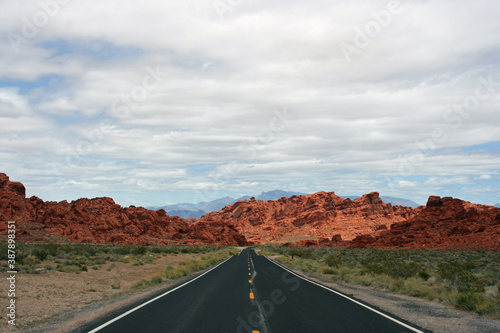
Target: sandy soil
pixel 59 302
pixel 428 315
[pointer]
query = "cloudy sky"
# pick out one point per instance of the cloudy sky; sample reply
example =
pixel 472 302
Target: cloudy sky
pixel 153 102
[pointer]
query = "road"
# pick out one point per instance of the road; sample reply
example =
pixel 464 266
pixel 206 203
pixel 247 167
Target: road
pixel 249 293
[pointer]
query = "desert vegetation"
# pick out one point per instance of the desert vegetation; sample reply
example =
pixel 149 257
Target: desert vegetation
pixel 467 280
pixel 34 258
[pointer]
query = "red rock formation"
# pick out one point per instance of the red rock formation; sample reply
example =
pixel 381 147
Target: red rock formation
pixel 315 216
pixel 101 220
pixel 320 219
pixel 335 241
pixel 445 223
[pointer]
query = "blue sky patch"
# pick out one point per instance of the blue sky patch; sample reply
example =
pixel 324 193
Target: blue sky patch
pixel 47 82
pixel 99 50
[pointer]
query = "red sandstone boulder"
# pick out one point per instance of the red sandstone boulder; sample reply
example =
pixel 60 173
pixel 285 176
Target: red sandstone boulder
pixel 445 223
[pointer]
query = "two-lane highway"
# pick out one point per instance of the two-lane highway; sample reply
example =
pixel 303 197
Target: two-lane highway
pixel 249 293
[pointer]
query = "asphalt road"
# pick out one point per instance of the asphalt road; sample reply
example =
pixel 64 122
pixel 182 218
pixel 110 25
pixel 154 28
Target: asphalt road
pixel 249 293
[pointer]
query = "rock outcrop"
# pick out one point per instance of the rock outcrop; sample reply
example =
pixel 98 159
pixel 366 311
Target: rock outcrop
pixel 101 220
pixel 445 223
pixel 320 219
pixel 316 216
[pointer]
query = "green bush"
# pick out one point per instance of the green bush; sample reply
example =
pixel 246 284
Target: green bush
pixel 141 284
pixel 424 275
pixel 460 276
pixel 140 250
pixel 40 254
pixel 328 271
pixel 477 302
pixel 333 261
pixel 156 280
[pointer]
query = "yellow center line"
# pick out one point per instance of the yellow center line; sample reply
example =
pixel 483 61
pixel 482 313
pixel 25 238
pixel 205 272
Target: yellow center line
pixel 252 296
pixel 249 281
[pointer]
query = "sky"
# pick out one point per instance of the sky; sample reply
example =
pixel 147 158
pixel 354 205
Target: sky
pixel 157 102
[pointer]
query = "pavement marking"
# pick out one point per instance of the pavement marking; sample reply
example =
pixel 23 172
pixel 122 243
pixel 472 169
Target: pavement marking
pixel 252 296
pixel 250 274
pixel 347 297
pixel 249 281
pixel 154 299
pixel 255 332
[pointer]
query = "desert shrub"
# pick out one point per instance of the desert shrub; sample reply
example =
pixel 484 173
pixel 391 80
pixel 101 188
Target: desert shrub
pixel 333 261
pixel 477 302
pixel 381 282
pixel 141 284
pixel 387 263
pixel 122 249
pixel 149 259
pixel 156 279
pixel 69 268
pixel 402 269
pixel 138 263
pixel 116 285
pixel 139 250
pixel 124 260
pixel 328 271
pixel 49 268
pixel 41 254
pixel 213 261
pixel 424 275
pixel 373 267
pixel 460 276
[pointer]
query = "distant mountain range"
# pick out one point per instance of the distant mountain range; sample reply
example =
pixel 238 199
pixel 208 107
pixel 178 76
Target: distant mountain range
pixel 497 205
pixel 187 210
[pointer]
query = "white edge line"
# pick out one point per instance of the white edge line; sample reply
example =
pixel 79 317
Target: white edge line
pixel 347 297
pixel 154 299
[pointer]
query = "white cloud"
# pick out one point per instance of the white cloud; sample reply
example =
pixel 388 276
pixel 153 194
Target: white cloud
pixel 78 98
